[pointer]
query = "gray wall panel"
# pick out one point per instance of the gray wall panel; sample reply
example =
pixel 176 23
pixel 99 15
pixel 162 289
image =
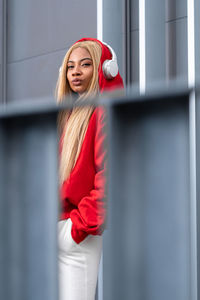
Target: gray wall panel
pixel 177 60
pixel 176 9
pixel 166 44
pixel 34 78
pixel 39 33
pixel 113 27
pixel 134 14
pixel 155 41
pixel 39 27
pixel 135 56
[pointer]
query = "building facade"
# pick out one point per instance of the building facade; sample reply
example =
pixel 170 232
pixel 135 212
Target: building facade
pixel 155 41
pixel 150 38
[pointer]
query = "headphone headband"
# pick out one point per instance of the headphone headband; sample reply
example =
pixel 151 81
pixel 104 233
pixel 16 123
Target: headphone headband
pixel 110 66
pixel 114 56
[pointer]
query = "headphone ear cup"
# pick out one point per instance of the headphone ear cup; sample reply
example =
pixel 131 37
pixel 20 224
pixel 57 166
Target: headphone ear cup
pixel 110 69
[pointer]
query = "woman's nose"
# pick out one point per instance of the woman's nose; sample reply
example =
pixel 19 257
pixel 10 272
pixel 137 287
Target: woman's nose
pixel 76 70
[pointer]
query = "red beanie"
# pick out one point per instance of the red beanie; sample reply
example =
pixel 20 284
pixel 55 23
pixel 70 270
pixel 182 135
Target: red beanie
pixel 104 83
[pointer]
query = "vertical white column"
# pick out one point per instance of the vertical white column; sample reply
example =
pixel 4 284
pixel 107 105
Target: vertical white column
pixel 100 20
pixel 192 129
pixel 142 47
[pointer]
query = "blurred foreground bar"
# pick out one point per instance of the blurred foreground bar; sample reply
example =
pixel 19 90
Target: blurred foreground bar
pixel 150 241
pixel 151 244
pixel 28 202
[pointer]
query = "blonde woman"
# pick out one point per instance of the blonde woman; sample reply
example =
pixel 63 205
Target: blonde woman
pixel 89 67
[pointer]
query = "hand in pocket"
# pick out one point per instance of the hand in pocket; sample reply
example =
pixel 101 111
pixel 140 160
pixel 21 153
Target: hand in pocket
pixel 65 241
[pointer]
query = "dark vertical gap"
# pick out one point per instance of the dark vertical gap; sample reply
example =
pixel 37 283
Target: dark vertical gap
pixel 127 41
pixel 4 51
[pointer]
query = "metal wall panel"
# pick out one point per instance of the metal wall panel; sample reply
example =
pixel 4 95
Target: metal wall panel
pixel 155 41
pixel 176 40
pixel 166 37
pixel 28 206
pixel 39 32
pixel 176 9
pixel 134 15
pixel 147 243
pixel 113 26
pixel 135 56
pixel 35 77
pixel 177 56
pixel 37 28
pixel 134 42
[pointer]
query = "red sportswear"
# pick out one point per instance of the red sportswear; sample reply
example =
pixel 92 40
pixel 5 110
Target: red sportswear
pixel 83 194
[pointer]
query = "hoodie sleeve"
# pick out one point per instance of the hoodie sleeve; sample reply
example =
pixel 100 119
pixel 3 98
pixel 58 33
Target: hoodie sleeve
pixel 89 217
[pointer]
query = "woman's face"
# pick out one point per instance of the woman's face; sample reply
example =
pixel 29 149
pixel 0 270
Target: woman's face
pixel 79 70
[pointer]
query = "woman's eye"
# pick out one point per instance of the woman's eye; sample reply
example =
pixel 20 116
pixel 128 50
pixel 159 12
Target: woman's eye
pixel 70 67
pixel 86 64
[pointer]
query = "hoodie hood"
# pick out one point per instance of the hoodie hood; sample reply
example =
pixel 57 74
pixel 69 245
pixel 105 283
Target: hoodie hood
pixel 104 83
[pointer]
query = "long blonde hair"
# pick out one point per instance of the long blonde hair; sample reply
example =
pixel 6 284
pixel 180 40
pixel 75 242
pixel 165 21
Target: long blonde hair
pixel 73 125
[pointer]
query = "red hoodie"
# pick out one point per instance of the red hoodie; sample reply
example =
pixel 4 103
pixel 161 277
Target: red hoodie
pixel 83 193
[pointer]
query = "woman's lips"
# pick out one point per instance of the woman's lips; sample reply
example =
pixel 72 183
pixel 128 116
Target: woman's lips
pixel 76 82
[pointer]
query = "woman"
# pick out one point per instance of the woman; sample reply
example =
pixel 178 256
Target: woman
pixel 84 73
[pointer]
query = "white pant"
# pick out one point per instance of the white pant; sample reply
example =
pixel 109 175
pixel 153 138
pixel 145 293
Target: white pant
pixel 78 264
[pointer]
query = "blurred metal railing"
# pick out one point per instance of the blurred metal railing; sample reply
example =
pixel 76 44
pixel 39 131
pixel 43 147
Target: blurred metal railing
pixel 28 202
pixel 151 242
pixel 151 245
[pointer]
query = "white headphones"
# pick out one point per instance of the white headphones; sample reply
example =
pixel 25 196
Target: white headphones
pixel 110 66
